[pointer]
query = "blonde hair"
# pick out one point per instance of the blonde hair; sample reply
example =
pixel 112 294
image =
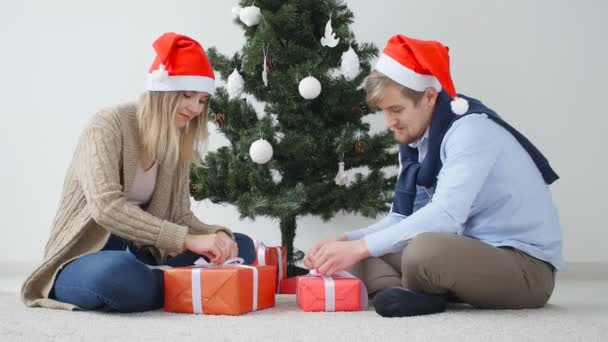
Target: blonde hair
pixel 159 135
pixel 375 88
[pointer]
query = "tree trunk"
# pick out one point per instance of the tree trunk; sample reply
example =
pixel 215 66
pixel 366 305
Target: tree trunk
pixel 288 235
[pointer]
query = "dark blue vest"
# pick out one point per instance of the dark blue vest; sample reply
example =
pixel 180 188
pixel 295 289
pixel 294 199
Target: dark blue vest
pixel 425 174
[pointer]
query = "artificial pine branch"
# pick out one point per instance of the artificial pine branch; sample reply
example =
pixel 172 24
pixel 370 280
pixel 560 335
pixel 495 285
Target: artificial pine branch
pixel 308 137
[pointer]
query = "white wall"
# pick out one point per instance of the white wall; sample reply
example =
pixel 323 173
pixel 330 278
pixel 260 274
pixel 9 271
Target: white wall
pixel 538 63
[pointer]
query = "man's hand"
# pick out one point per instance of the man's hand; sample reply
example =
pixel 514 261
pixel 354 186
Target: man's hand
pixel 338 256
pixel 310 256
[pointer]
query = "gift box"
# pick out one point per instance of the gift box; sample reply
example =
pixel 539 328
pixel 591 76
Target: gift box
pixel 339 293
pixel 275 255
pixel 288 285
pixel 229 289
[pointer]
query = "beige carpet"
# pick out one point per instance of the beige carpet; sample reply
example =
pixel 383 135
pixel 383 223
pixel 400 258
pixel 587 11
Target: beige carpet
pixel 577 313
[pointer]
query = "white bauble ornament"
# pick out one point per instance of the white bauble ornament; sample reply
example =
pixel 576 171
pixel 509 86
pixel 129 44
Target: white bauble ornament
pixel 329 39
pixel 250 15
pixel 350 64
pixel 235 84
pixel 260 151
pixel 309 87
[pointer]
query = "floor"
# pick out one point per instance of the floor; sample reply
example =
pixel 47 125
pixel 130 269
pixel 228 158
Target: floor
pixel 578 311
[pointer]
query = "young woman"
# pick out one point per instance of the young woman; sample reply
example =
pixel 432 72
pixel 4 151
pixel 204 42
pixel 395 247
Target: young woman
pixel 126 201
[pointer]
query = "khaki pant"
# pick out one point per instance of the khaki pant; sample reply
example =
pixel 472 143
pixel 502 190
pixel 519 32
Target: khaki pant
pixel 468 269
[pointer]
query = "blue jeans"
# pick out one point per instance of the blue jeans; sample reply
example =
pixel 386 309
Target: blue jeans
pixel 116 279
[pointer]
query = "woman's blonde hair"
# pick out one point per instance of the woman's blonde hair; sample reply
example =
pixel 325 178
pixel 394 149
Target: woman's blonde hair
pixel 375 88
pixel 160 137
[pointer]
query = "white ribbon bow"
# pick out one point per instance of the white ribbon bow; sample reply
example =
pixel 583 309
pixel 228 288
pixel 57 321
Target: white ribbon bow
pixel 202 263
pixel 330 289
pixel 261 248
pixel 197 290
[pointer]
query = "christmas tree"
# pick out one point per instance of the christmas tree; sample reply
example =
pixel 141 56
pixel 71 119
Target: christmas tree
pixel 301 60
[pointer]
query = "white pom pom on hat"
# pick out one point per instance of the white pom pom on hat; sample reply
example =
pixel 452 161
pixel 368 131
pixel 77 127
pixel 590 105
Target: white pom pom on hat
pixel 459 105
pixel 418 65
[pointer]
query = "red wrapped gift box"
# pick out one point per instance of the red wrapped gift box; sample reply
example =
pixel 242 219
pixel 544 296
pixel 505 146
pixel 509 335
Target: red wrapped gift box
pixel 339 293
pixel 275 255
pixel 288 285
pixel 223 290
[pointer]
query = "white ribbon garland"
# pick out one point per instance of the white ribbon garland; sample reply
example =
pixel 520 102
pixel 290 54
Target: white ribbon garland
pixel 330 289
pixel 197 290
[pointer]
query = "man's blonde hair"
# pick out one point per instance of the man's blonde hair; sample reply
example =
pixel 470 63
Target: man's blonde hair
pixel 160 137
pixel 376 84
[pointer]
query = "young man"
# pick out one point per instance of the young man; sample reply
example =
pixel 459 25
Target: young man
pixel 472 216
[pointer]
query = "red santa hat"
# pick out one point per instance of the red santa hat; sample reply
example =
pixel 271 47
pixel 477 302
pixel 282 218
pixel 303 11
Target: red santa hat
pixel 420 64
pixel 180 64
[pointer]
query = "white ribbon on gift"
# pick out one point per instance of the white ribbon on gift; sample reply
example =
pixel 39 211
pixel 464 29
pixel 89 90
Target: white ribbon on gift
pixel 197 290
pixel 261 248
pixel 330 289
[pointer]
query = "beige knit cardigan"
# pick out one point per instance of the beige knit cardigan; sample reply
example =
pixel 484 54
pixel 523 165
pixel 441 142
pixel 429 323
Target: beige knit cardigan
pixel 93 204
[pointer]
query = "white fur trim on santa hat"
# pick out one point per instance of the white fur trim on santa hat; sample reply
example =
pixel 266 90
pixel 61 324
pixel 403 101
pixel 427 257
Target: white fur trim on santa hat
pixel 404 75
pixel 183 83
pixel 459 105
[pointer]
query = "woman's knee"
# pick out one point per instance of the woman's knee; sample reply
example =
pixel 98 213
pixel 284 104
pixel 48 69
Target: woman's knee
pixel 114 279
pixel 129 285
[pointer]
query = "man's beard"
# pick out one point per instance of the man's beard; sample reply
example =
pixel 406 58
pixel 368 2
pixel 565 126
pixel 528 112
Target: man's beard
pixel 405 139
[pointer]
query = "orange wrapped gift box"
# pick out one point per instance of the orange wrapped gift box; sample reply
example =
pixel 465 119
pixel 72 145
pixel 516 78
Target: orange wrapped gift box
pixel 275 255
pixel 222 290
pixel 327 294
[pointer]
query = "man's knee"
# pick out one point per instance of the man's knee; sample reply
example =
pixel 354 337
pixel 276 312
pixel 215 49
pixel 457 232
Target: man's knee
pixel 422 249
pixel 357 269
pixel 420 258
pixel 376 274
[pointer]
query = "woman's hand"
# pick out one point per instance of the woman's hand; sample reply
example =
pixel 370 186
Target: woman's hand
pixel 218 247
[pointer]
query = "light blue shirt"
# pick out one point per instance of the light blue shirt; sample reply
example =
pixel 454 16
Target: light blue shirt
pixel 488 189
